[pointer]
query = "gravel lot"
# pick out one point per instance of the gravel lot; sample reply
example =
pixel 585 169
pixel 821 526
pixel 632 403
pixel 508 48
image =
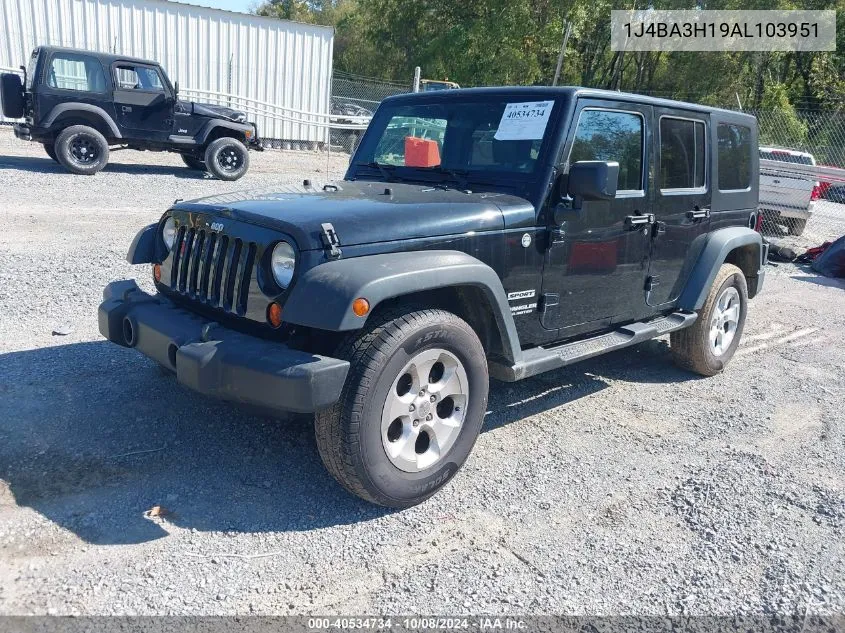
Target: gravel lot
pixel 619 486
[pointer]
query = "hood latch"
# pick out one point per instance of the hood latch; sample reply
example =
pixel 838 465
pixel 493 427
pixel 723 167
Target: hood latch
pixel 331 241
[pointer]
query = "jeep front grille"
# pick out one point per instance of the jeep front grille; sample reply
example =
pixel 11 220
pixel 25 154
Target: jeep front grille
pixel 212 268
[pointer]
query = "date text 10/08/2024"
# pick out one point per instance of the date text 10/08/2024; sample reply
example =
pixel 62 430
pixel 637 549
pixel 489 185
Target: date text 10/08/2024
pixel 420 623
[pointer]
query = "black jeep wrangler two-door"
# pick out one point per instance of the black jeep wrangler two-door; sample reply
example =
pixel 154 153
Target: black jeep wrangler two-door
pixel 80 103
pixel 486 232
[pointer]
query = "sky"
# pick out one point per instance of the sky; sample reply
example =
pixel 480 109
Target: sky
pixel 230 5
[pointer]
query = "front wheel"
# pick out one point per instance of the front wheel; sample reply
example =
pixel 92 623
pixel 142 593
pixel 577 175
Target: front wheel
pixel 227 158
pixel 51 151
pixel 411 409
pixel 796 226
pixel 708 344
pixel 193 163
pixel 82 150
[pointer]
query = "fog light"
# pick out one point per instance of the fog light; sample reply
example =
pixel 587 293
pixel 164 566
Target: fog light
pixel 360 306
pixel 157 272
pixel 274 314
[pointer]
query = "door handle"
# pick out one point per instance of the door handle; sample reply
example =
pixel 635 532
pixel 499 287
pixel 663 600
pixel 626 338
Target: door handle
pixel 698 213
pixel 636 221
pixel 126 108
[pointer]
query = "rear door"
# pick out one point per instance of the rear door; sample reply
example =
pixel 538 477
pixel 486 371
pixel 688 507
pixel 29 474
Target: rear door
pixel 142 100
pixel 682 201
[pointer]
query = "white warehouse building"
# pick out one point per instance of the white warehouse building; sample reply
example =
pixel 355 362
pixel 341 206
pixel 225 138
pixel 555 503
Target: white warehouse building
pixel 278 71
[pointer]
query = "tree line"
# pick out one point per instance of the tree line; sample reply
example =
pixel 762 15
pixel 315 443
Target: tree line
pixel 510 42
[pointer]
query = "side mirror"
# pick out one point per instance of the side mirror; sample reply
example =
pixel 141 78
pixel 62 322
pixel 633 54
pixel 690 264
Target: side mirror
pixel 592 180
pixel 176 90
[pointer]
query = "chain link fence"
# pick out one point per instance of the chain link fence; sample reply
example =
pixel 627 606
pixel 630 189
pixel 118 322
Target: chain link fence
pixel 800 206
pixel 802 187
pixel 354 99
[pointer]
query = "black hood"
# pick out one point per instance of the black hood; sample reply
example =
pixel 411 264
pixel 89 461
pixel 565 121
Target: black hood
pixel 215 111
pixel 364 212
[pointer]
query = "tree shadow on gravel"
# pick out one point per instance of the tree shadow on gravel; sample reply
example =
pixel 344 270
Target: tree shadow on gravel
pixel 48 166
pixel 93 436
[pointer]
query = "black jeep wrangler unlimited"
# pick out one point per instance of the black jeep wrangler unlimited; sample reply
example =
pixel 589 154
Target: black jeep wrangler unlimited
pixel 79 103
pixel 496 232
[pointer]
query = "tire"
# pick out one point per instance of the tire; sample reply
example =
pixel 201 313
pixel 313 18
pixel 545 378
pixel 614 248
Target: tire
pixel 51 151
pixel 353 436
pixel 694 348
pixel 796 226
pixel 227 158
pixel 193 163
pixel 11 94
pixel 82 150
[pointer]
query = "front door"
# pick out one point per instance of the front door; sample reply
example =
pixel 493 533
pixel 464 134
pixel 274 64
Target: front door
pixel 143 102
pixel 597 258
pixel 681 203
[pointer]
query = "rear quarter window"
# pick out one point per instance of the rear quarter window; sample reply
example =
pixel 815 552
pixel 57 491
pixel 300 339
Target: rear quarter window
pixel 30 69
pixel 71 71
pixel 734 156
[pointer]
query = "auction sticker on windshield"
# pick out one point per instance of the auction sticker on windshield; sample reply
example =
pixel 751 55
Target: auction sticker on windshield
pixel 524 121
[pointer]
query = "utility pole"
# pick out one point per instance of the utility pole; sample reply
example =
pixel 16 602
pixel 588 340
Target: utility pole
pixel 417 72
pixel 566 32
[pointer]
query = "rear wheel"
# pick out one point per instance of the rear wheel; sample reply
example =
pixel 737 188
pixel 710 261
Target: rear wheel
pixel 411 408
pixel 193 163
pixel 708 344
pixel 51 151
pixel 82 150
pixel 227 158
pixel 796 226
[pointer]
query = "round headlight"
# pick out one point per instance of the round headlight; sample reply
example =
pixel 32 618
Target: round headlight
pixel 283 263
pixel 168 232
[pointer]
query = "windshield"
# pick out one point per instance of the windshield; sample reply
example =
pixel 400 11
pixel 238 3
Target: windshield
pixel 496 138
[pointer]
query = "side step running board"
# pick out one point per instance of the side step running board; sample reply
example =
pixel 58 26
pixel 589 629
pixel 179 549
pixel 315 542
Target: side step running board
pixel 539 359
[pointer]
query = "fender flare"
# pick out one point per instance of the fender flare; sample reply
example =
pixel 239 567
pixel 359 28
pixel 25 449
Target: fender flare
pixel 720 243
pixel 62 108
pixel 322 297
pixel 143 247
pixel 208 128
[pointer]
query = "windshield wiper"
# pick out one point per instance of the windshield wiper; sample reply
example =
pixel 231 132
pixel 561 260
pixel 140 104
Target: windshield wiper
pixel 383 169
pixel 458 175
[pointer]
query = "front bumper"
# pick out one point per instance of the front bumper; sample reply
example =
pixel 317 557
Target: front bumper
pixel 216 361
pixel 255 143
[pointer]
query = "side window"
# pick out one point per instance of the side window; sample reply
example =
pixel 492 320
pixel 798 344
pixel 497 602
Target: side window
pixel 682 154
pixel 131 77
pixel 612 136
pixel 734 156
pixel 70 71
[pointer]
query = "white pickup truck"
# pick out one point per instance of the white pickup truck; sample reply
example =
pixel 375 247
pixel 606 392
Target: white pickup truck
pixel 786 198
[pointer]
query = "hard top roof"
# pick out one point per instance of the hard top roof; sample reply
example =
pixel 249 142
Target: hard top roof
pixel 551 92
pixel 105 58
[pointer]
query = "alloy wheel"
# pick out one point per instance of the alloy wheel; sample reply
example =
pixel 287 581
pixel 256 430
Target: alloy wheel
pixel 724 321
pixel 424 410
